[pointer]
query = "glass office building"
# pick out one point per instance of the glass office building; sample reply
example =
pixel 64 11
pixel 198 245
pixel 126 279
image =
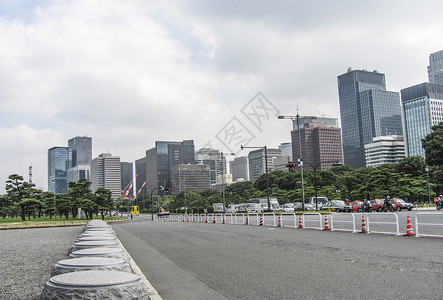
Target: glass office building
pixel 422 108
pixel 59 161
pixel 367 110
pixel 435 68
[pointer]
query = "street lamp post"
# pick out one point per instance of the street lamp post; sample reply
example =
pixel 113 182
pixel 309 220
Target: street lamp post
pixel 429 193
pixel 296 119
pixel 335 163
pixel 266 171
pixel 152 200
pixel 223 178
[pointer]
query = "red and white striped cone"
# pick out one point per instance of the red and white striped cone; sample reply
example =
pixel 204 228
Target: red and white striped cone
pixel 206 220
pixel 409 231
pixel 300 223
pixel 183 218
pixel 261 220
pixel 247 221
pixel 224 220
pixel 327 223
pixel 279 221
pixel 364 229
pixel 214 220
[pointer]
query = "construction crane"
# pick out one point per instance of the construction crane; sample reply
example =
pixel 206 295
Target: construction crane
pixel 128 188
pixel 143 185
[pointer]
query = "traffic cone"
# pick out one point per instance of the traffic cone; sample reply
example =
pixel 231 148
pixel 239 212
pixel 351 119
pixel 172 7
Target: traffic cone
pixel 409 231
pixel 300 223
pixel 363 225
pixel 183 218
pixel 247 221
pixel 213 219
pixel 261 220
pixel 224 220
pixel 206 220
pixel 327 223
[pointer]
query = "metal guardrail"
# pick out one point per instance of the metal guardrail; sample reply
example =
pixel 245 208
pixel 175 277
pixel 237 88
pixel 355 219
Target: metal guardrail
pixel 254 221
pixel 320 222
pixel 333 221
pixel 289 217
pixel 417 224
pixel 384 223
pixel 273 219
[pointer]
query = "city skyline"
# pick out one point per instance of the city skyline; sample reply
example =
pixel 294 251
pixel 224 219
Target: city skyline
pixel 184 69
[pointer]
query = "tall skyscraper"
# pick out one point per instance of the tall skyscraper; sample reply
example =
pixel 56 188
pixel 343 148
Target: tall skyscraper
pixel 106 173
pixel 211 157
pixel 319 143
pixel 192 177
pixel 81 147
pixel 435 68
pixel 59 161
pixel 367 110
pixel 422 108
pixel 257 162
pixel 160 159
pixel 239 168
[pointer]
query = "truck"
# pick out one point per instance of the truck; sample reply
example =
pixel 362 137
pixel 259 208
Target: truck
pixel 218 207
pixel 321 201
pixel 264 203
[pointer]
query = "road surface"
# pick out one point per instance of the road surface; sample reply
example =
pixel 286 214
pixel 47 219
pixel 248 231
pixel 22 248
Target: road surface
pixel 219 261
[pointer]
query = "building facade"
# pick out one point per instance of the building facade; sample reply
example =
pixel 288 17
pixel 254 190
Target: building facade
pixel 106 173
pixel 367 110
pixel 320 144
pixel 213 158
pixel 422 107
pixel 239 168
pixel 81 148
pixel 435 68
pixel 140 175
pixel 59 161
pixel 191 177
pixel 257 162
pixel 160 160
pixel 385 150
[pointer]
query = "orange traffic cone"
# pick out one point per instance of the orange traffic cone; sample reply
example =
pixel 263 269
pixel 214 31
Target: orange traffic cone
pixel 363 225
pixel 247 221
pixel 409 231
pixel 327 223
pixel 206 220
pixel 279 221
pixel 261 220
pixel 213 219
pixel 300 223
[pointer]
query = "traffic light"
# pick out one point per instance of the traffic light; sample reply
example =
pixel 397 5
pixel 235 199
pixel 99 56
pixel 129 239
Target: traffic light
pixel 291 165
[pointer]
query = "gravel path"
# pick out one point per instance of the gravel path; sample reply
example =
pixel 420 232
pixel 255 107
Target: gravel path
pixel 27 257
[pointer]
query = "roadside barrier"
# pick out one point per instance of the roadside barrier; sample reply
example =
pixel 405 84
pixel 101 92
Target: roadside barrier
pixel 315 220
pixel 266 218
pixel 409 231
pixel 335 221
pixel 395 223
pixel 417 224
pixel 289 217
pixel 254 221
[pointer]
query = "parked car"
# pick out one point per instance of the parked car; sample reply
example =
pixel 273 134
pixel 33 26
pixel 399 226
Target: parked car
pixel 308 207
pixel 357 206
pixel 288 207
pixel 400 204
pixel 337 206
pixel 377 205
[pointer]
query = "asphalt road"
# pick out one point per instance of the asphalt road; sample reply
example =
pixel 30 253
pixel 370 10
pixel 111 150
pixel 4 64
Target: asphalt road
pixel 219 261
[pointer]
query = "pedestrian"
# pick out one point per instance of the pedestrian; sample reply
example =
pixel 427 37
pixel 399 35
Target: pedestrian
pixel 131 216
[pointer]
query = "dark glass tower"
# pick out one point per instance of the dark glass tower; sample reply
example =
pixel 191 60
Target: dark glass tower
pixel 367 110
pixel 59 161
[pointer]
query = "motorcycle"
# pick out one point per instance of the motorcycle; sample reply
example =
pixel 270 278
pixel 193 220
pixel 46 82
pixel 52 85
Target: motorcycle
pixel 439 205
pixel 388 207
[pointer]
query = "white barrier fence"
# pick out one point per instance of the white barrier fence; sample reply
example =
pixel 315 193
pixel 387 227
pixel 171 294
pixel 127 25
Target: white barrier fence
pixel 337 221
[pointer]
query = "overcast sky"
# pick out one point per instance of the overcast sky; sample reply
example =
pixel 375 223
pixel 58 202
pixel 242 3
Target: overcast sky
pixel 128 73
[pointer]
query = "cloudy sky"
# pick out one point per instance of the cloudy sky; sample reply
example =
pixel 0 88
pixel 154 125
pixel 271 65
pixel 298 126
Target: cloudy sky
pixel 128 73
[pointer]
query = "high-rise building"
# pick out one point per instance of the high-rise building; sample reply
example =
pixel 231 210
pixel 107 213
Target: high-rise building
pixel 59 161
pixel 385 150
pixel 211 157
pixel 127 172
pixel 319 143
pixel 435 68
pixel 106 173
pixel 192 177
pixel 81 148
pixel 422 108
pixel 239 168
pixel 286 149
pixel 257 162
pixel 367 110
pixel 160 159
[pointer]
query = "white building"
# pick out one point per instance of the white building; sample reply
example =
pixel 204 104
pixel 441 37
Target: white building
pixel 106 173
pixel 384 150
